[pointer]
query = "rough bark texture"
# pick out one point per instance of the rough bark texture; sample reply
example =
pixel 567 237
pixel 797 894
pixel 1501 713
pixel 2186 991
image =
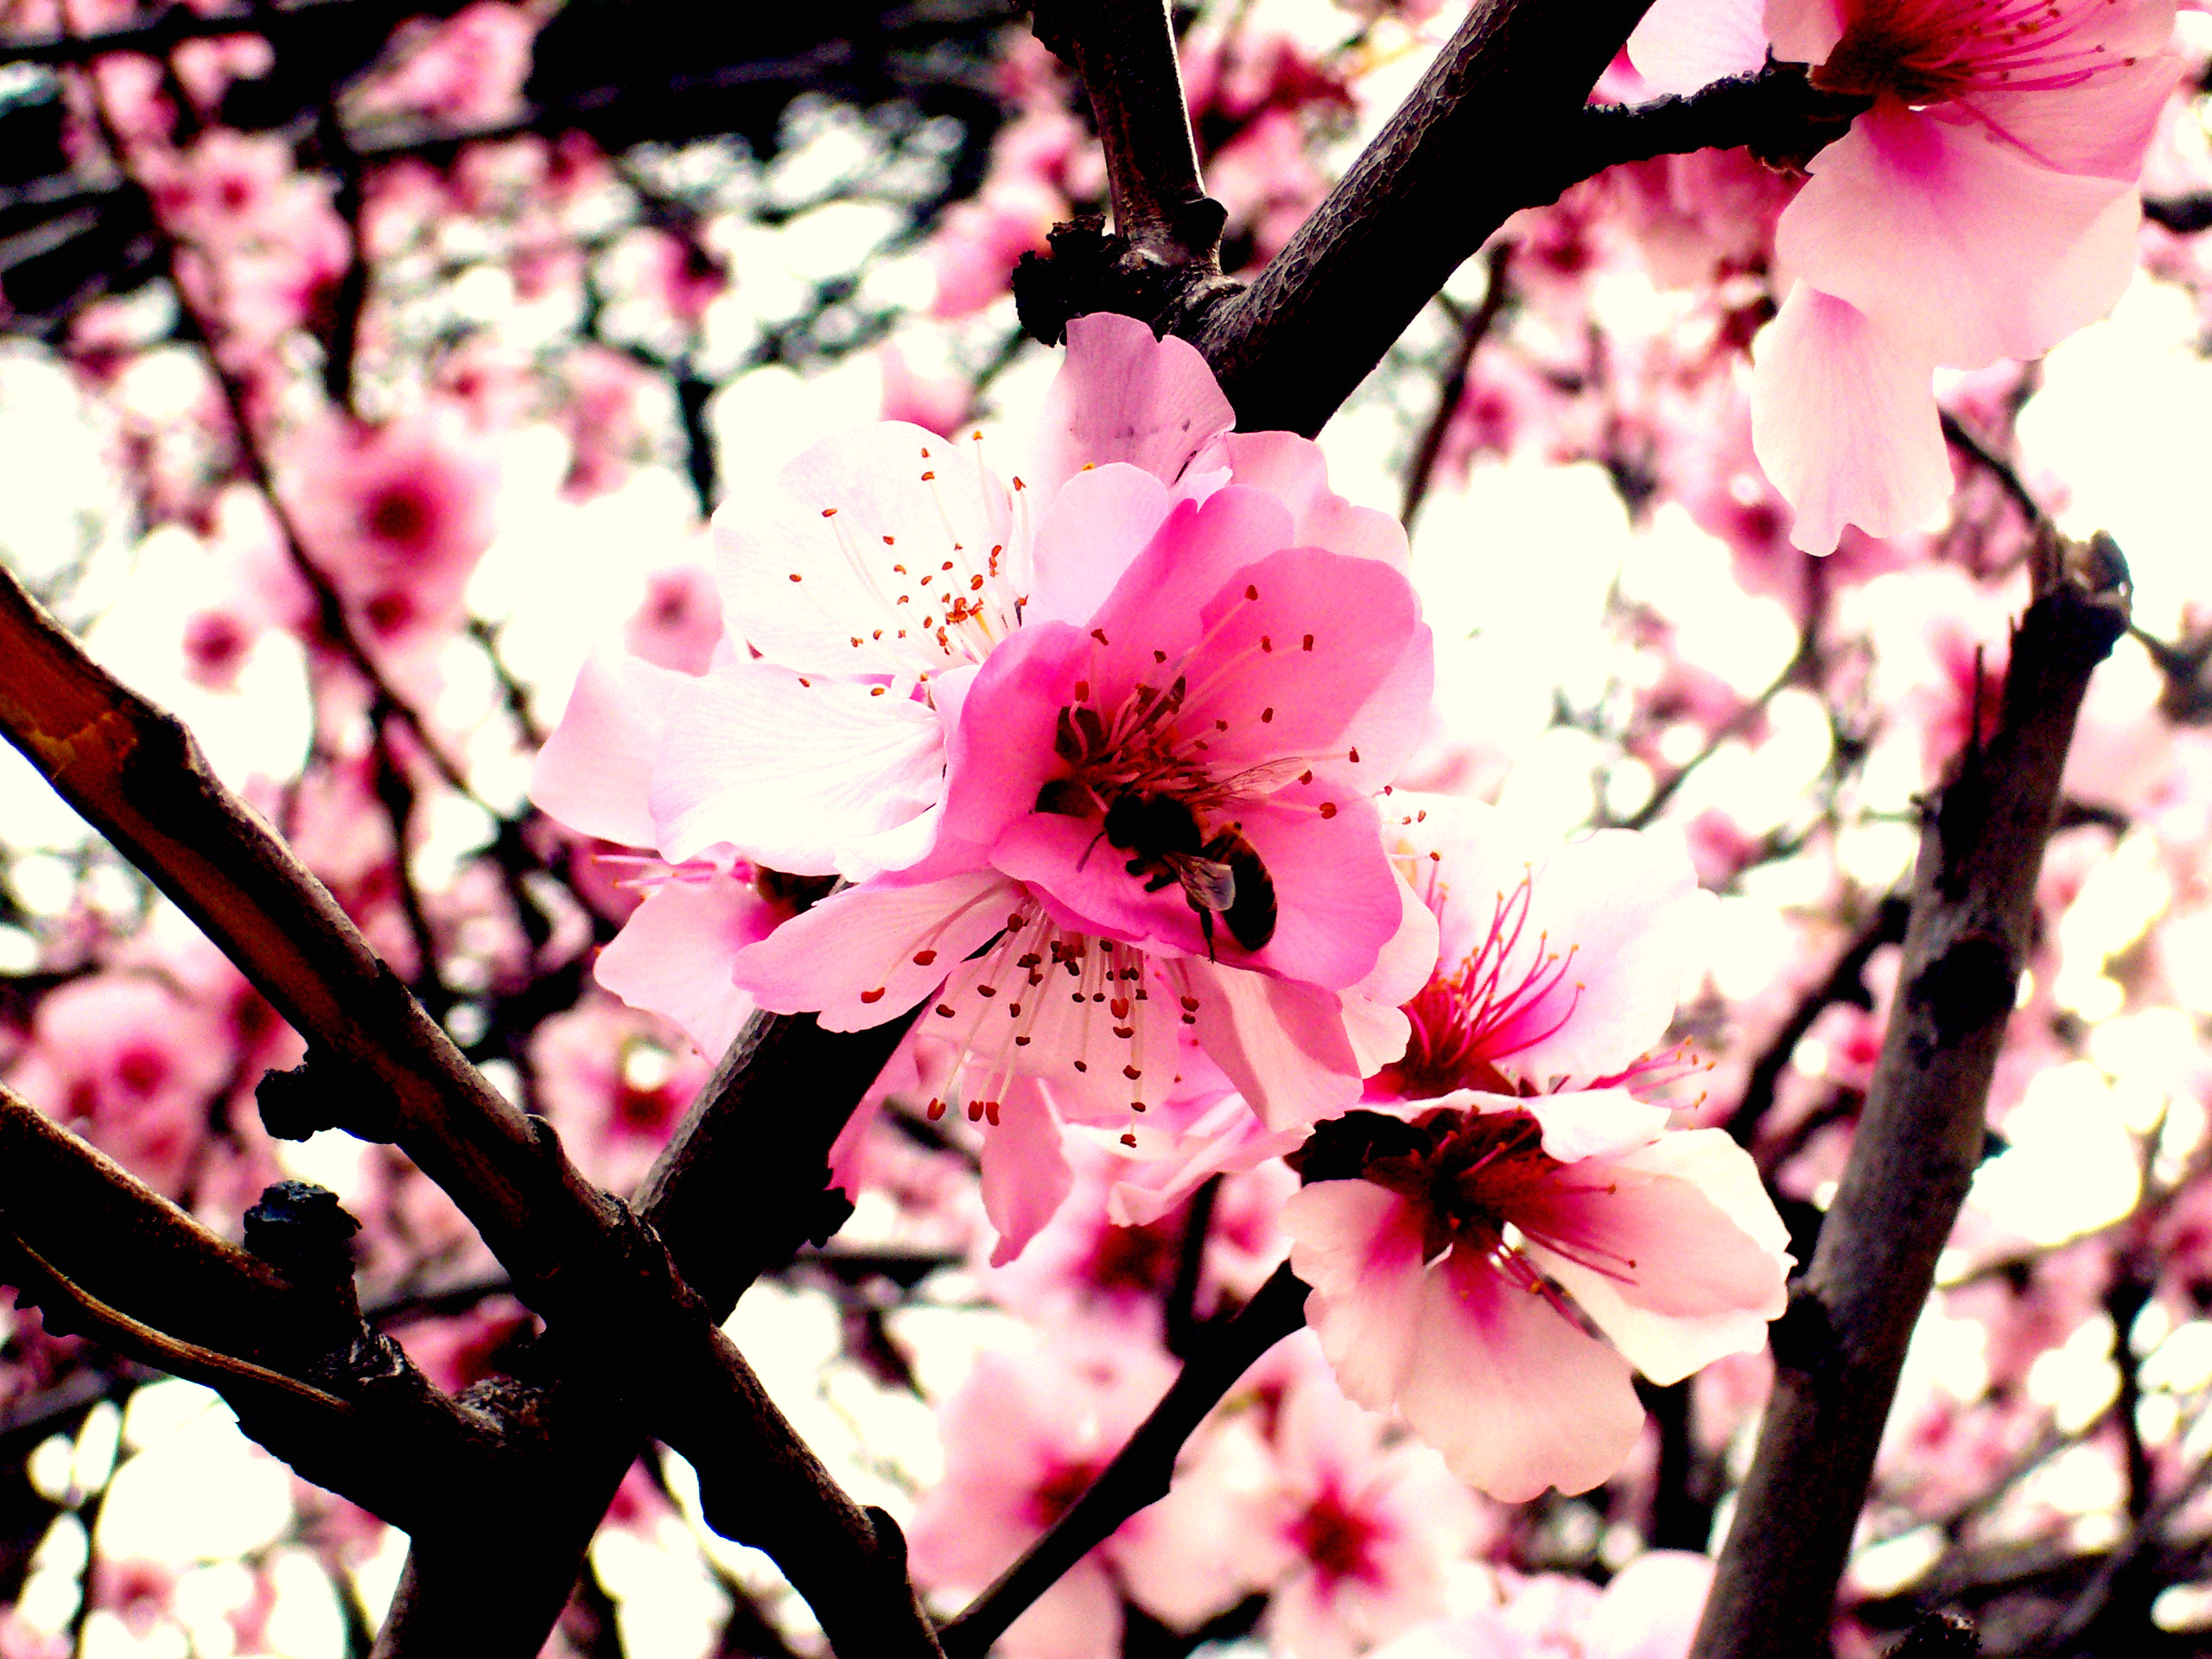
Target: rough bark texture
pixel 1839 1349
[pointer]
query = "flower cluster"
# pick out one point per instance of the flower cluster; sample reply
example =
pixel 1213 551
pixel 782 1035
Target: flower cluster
pixel 1101 749
pixel 1984 205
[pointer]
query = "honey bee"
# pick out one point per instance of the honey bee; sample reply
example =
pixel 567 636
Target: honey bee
pixel 1223 877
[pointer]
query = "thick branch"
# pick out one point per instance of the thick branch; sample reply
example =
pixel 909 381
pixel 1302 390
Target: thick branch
pixel 106 1255
pixel 1141 1471
pixel 1839 1349
pixel 578 1256
pixel 1431 189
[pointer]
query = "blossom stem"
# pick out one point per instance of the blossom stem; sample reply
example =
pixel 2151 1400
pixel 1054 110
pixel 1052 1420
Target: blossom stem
pixel 1139 1473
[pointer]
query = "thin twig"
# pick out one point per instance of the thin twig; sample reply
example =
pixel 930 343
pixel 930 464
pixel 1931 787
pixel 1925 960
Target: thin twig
pixel 1139 1473
pixel 1472 332
pixel 1969 443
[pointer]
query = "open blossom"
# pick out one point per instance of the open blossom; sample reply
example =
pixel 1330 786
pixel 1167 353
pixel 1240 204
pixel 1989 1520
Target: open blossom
pixel 1983 206
pixel 1354 1531
pixel 962 679
pixel 1442 1273
pixel 1444 1245
pixel 1558 962
pixel 395 516
pixel 1023 1438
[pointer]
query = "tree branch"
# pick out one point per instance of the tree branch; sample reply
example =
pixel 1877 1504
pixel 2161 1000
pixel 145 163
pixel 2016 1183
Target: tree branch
pixel 1125 52
pixel 1141 1471
pixel 579 1257
pixel 1430 190
pixel 1472 332
pixel 1838 1350
pixel 106 1255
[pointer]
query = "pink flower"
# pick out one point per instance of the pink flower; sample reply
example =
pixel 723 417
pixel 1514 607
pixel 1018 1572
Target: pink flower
pixel 1441 1274
pixel 1984 206
pixel 395 516
pixel 675 952
pixel 959 681
pixel 134 1066
pixel 1355 1534
pixel 1023 1437
pixel 1558 963
pixel 615 1083
pixel 465 71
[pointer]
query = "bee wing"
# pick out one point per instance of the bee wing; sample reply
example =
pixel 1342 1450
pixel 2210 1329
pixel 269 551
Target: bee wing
pixel 1208 884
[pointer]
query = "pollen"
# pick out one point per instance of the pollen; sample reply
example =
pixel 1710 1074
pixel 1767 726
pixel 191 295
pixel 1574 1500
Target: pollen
pixel 1308 646
pixel 1266 715
pixel 923 958
pixel 829 512
pixel 1251 591
pixel 1328 808
pixel 875 995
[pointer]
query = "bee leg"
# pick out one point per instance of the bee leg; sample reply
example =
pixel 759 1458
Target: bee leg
pixel 1206 926
pixel 1159 880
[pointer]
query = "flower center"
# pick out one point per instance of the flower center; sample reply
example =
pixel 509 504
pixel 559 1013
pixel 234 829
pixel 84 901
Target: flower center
pixel 1502 998
pixel 1337 1539
pixel 1931 54
pixel 943 594
pixel 1486 1186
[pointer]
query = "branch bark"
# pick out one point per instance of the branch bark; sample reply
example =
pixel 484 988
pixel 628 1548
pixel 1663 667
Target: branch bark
pixel 1429 191
pixel 1141 1471
pixel 579 1257
pixel 1839 1349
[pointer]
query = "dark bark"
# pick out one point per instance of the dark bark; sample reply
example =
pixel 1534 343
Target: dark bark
pixel 1839 1349
pixel 1141 1471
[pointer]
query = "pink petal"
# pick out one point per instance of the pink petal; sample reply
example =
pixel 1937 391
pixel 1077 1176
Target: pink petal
pixel 1655 1260
pixel 1101 520
pixel 851 958
pixel 1152 615
pixel 1359 1246
pixel 1628 908
pixel 1283 1044
pixel 674 955
pixel 805 774
pixel 1510 1391
pixel 2103 126
pixel 1121 395
pixel 1293 469
pixel 1338 901
pixel 999 751
pixel 1026 1175
pixel 1683 45
pixel 886 514
pixel 594 771
pixel 1313 656
pixel 1589 1123
pixel 1925 222
pixel 1805 31
pixel 1843 419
